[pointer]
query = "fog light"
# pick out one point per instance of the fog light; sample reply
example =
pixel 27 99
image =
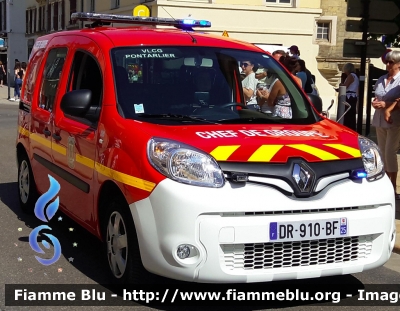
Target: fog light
pixel 183 251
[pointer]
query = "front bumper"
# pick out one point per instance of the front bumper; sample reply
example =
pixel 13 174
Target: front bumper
pixel 229 231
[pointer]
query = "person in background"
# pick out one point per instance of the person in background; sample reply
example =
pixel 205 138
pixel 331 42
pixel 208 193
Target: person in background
pixel 249 84
pixel 351 83
pixel 308 87
pixel 386 118
pixel 278 54
pixel 301 72
pixel 2 73
pixel 383 57
pixel 24 65
pixel 271 77
pixel 18 75
pixel 278 99
pixel 262 74
pixel 294 50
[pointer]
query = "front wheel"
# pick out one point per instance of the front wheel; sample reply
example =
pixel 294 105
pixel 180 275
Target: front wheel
pixel 26 185
pixel 121 244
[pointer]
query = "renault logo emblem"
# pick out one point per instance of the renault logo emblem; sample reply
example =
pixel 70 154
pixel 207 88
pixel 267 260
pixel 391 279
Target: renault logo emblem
pixel 304 177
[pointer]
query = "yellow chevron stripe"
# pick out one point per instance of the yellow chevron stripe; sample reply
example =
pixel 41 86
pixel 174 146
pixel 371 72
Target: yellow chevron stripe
pixel 23 131
pixel 41 140
pixel 322 154
pixel 124 178
pixel 222 153
pixel 264 153
pixel 349 150
pixel 59 149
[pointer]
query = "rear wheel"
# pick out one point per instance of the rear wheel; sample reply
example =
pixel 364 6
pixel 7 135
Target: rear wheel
pixel 121 244
pixel 26 185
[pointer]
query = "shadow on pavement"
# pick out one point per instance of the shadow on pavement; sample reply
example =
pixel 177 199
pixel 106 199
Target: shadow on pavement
pixel 88 251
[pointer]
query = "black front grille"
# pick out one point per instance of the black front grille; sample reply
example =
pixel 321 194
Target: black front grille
pixel 284 171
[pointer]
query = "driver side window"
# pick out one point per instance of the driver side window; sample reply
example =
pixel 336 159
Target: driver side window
pixel 86 74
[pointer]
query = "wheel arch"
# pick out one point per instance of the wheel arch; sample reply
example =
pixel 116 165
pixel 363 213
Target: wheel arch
pixel 109 189
pixel 21 150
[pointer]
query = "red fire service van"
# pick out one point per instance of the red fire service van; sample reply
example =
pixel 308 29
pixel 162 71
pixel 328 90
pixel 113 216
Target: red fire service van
pixel 157 154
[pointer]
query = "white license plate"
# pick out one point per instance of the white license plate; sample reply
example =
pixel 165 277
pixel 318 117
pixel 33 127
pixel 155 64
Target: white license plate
pixel 308 230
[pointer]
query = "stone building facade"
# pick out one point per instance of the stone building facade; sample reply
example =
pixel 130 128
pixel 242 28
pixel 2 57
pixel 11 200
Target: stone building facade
pixel 330 56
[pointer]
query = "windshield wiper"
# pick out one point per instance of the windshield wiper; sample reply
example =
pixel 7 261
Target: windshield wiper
pixel 172 116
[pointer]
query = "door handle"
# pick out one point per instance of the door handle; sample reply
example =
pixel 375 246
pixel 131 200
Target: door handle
pixel 46 132
pixel 56 137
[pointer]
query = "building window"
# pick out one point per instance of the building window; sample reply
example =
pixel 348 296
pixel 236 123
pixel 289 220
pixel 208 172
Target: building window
pixel 114 4
pixel 30 21
pixel 72 9
pixel 3 26
pixel 31 13
pixel 27 21
pixel 60 13
pixel 325 30
pixel 92 6
pixel 43 18
pixel 282 2
pixel 52 16
pixel 35 18
pixel 206 1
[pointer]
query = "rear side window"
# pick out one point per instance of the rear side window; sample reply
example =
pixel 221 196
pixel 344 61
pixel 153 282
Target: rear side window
pixel 51 76
pixel 31 76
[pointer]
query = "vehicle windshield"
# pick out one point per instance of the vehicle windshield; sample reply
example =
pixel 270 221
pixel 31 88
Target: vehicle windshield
pixel 201 85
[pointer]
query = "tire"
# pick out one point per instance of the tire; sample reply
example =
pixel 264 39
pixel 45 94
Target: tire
pixel 122 254
pixel 27 191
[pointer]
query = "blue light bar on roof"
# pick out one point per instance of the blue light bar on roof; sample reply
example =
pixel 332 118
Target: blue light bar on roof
pixel 126 19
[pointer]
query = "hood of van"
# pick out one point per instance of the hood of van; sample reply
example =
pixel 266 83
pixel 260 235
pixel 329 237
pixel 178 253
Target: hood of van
pixel 323 141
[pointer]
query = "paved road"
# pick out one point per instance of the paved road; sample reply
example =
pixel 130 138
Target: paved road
pixel 18 265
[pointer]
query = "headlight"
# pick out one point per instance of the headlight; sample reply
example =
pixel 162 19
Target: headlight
pixel 371 158
pixel 184 163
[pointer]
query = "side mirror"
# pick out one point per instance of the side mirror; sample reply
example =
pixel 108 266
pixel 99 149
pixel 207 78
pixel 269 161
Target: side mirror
pixel 316 101
pixel 76 103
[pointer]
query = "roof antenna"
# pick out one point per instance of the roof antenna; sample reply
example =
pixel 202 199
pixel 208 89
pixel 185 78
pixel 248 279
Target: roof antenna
pixel 193 38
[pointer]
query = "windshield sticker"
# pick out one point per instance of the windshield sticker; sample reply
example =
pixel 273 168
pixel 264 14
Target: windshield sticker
pixel 139 108
pixel 151 53
pixel 262 133
pixel 41 44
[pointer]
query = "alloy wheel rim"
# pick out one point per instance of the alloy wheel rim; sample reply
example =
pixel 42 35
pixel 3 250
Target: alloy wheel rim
pixel 24 181
pixel 117 246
